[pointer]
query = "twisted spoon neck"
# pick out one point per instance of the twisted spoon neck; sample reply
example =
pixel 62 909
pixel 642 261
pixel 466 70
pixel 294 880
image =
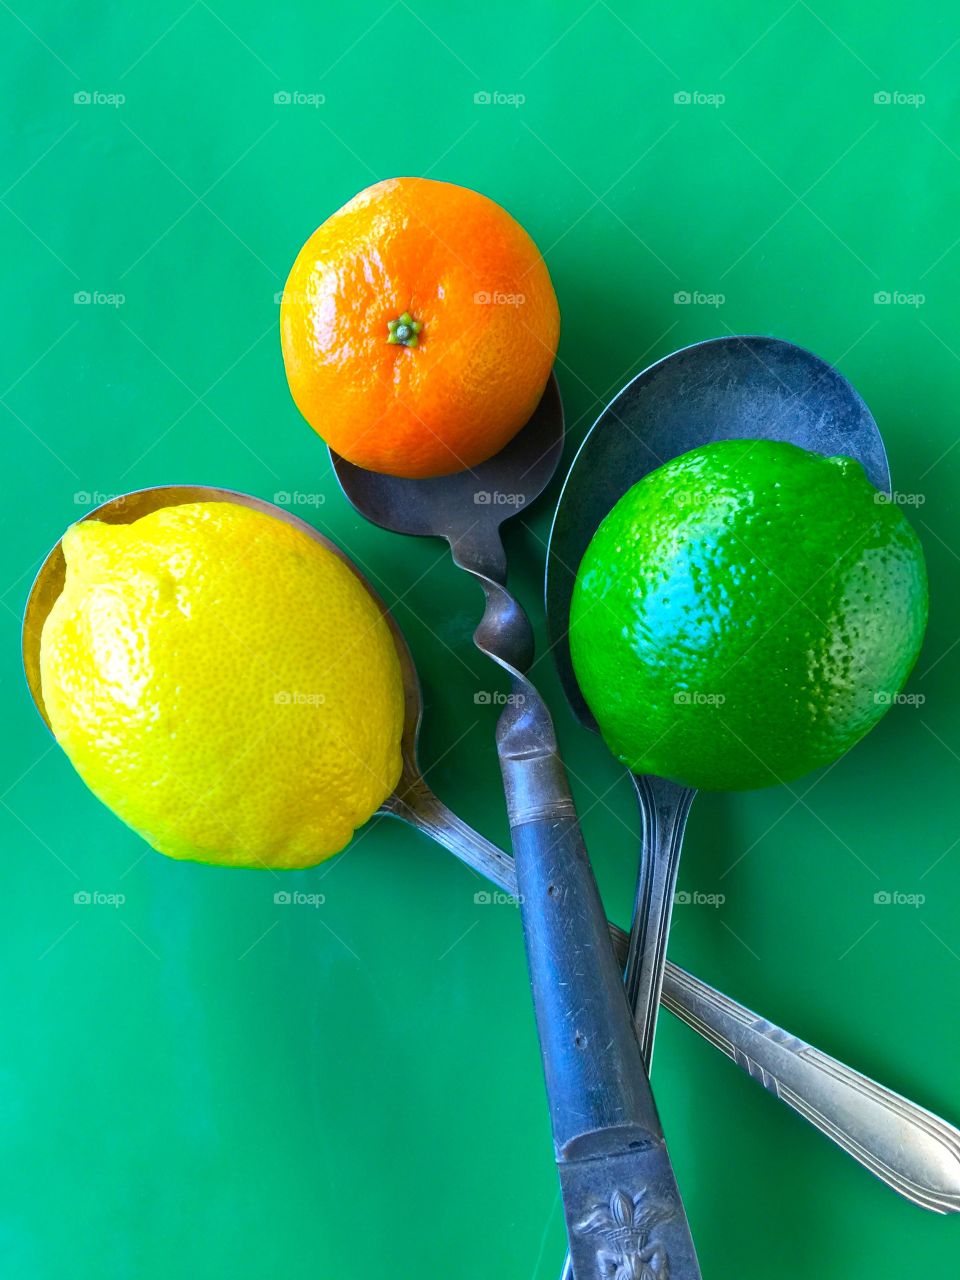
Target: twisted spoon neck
pixel 525 729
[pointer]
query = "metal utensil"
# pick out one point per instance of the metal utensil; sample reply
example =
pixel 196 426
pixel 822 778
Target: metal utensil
pixel 725 388
pixel 620 1198
pixel 913 1151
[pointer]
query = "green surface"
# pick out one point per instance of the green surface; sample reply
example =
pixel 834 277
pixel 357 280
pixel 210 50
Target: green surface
pixel 201 1082
pixel 745 614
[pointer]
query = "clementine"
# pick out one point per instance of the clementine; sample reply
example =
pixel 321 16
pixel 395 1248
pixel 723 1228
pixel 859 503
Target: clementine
pixel 419 326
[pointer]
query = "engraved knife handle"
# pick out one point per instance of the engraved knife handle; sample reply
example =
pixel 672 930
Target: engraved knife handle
pixel 620 1199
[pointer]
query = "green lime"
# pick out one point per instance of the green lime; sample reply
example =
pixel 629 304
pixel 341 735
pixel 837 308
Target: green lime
pixel 745 614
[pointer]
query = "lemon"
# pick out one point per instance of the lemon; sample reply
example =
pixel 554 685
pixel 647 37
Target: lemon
pixel 224 683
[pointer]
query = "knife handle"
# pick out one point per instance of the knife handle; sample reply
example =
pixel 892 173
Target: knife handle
pixel 595 1077
pixel 621 1204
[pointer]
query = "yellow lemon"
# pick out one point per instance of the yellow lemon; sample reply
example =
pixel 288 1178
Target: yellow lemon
pixel 224 683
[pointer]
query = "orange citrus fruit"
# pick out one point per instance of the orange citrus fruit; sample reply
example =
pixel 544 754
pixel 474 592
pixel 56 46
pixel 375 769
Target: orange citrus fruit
pixel 419 327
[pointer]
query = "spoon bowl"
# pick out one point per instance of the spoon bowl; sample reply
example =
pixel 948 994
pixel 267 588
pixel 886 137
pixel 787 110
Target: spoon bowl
pixel 725 388
pixel 455 506
pixel 467 509
pixel 722 389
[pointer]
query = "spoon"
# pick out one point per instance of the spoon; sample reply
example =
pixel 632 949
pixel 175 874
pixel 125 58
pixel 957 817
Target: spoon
pixel 912 1150
pixel 611 1156
pixel 725 388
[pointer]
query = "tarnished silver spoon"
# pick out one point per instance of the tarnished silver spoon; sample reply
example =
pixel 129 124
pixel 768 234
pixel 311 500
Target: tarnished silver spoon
pixel 725 388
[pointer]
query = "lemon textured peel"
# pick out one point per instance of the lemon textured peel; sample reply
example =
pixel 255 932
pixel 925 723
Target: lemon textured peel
pixel 224 683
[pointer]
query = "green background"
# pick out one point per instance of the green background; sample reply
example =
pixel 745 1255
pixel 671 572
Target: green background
pixel 203 1083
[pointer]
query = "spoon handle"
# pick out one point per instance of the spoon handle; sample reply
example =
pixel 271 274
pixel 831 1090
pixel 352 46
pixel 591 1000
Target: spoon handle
pixel 913 1151
pixel 664 807
pixel 909 1148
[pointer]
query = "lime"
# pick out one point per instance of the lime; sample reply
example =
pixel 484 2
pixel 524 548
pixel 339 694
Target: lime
pixel 745 614
pixel 224 683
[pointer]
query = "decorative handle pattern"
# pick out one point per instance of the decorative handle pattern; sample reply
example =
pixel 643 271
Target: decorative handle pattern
pixel 913 1151
pixel 909 1148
